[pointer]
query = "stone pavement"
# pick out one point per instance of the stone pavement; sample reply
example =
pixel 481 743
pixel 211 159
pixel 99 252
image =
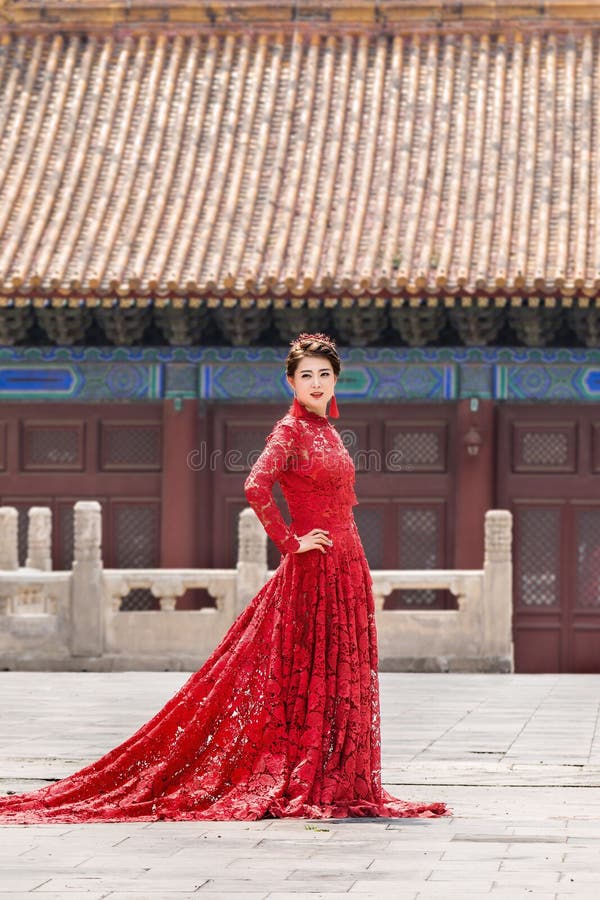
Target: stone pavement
pixel 516 756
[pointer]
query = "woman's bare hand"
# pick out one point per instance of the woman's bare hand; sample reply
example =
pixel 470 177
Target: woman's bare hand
pixel 317 539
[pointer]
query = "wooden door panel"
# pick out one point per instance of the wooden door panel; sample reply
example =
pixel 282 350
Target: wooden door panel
pixel 55 455
pixel 587 547
pixel 537 647
pixel 585 610
pixel 3 435
pixel 586 649
pixel 548 475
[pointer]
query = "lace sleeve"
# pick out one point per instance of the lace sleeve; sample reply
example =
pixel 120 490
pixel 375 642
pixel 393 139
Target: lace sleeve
pixel 258 487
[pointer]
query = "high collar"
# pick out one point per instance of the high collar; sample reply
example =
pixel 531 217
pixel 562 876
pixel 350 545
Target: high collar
pixel 299 411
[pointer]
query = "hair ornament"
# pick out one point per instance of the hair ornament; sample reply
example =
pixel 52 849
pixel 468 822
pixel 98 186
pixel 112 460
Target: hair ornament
pixel 318 337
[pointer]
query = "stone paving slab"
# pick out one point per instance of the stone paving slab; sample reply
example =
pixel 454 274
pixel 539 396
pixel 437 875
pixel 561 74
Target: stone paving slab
pixel 516 757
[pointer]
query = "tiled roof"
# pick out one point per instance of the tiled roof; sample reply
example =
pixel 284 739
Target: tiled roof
pixel 253 164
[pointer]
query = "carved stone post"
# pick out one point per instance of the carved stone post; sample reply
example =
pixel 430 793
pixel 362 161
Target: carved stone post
pixel 9 538
pixel 252 558
pixel 87 614
pixel 497 589
pixel 39 539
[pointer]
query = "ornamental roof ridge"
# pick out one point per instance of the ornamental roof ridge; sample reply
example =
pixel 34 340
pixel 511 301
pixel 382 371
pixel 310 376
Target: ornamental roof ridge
pixel 367 15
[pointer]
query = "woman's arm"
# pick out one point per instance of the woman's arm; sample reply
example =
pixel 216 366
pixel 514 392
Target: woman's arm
pixel 258 486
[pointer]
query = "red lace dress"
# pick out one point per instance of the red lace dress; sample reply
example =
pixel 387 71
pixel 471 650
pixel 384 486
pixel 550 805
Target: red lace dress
pixel 283 718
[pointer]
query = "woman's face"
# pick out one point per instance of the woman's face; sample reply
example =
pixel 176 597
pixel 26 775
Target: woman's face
pixel 314 382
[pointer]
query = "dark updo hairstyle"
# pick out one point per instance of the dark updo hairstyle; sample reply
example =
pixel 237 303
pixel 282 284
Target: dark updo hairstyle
pixel 312 345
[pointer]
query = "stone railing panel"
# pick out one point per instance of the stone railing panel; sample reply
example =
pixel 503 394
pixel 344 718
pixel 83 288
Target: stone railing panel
pixel 436 640
pixel 74 619
pixel 453 580
pixel 169 584
pixel 34 618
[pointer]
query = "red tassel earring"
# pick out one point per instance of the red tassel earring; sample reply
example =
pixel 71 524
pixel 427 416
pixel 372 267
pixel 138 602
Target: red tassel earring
pixel 296 409
pixel 333 408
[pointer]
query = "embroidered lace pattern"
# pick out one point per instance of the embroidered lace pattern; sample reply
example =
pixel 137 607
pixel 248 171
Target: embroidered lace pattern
pixel 283 718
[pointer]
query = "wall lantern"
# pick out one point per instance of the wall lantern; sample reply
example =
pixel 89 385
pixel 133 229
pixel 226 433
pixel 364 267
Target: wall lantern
pixel 473 441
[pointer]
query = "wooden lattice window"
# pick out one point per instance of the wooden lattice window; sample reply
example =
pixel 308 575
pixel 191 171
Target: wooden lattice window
pixel 355 439
pixel 244 442
pixel 2 446
pixel 370 524
pixel 596 448
pixel 544 448
pixel 588 558
pixel 135 546
pixel 23 526
pixel 130 446
pixel 537 548
pixel 52 446
pixel 420 546
pixel 416 447
pixel 66 525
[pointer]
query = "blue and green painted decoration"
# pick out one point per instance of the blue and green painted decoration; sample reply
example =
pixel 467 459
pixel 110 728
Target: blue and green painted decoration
pixel 88 374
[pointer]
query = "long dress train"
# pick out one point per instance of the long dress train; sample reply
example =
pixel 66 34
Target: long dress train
pixel 283 718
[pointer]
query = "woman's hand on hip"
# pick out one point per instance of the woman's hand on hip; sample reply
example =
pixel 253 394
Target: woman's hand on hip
pixel 317 539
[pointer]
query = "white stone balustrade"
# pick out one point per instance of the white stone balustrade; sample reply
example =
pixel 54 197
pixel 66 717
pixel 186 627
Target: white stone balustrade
pixel 477 636
pixel 39 539
pixel 87 589
pixel 74 619
pixel 167 585
pixel 9 539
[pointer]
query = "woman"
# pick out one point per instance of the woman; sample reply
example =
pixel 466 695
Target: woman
pixel 283 719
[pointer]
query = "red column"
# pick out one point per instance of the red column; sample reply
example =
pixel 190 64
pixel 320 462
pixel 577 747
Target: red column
pixel 475 488
pixel 178 544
